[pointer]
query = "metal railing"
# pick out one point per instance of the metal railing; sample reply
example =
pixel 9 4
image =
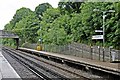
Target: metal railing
pixel 82 50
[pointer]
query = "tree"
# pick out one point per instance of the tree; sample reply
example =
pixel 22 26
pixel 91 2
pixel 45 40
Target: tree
pixel 87 23
pixel 27 28
pixel 113 27
pixel 62 30
pixel 69 6
pixel 76 28
pixel 70 22
pixel 48 18
pixel 41 8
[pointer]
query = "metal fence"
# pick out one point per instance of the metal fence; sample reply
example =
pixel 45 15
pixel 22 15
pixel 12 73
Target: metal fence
pixel 82 50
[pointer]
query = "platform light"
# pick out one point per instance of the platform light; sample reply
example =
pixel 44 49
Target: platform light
pixel 103 12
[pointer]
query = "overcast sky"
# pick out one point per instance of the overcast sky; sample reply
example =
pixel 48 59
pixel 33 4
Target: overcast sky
pixel 9 7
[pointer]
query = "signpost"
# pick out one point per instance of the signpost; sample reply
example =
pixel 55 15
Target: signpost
pixel 103 30
pixel 97 37
pixel 98 30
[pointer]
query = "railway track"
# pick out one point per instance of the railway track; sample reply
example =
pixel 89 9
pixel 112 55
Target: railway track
pixel 43 72
pixel 32 69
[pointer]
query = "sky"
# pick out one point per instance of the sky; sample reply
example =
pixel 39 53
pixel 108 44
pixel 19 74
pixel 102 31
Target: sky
pixel 8 8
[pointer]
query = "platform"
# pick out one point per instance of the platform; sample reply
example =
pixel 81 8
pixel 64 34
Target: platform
pixel 108 67
pixel 6 70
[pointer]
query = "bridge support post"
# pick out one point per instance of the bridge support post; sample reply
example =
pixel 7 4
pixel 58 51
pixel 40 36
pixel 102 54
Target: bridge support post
pixel 17 42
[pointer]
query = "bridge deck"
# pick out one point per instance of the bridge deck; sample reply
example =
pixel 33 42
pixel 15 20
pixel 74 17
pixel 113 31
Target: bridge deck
pixel 103 66
pixel 7 34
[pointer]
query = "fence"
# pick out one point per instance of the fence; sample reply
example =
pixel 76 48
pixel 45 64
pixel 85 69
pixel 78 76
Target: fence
pixel 82 50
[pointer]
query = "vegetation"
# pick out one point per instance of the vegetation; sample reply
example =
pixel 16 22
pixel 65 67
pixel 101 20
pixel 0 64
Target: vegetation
pixel 70 22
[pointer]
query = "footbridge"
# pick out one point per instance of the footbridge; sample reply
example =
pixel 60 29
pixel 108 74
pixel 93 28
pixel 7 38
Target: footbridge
pixel 9 34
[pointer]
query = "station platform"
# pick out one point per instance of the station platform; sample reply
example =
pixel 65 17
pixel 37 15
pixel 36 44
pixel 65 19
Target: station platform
pixel 108 67
pixel 6 70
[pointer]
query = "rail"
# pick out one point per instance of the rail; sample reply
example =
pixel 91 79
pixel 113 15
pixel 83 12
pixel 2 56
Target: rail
pixel 60 76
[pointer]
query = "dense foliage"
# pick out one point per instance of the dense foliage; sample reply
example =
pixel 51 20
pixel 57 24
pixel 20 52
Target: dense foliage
pixel 70 22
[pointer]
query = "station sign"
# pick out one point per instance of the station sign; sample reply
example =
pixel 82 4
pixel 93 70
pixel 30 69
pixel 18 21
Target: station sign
pixel 97 37
pixel 98 30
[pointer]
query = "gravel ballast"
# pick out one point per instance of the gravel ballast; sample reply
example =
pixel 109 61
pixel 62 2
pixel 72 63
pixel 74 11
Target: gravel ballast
pixel 22 71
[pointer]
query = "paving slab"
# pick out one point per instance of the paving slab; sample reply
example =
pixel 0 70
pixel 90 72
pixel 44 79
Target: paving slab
pixel 6 70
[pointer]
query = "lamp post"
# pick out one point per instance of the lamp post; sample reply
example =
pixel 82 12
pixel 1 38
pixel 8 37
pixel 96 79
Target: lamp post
pixel 103 14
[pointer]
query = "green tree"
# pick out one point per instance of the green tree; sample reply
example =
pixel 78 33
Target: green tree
pixel 48 18
pixel 62 30
pixel 27 28
pixel 76 28
pixel 71 21
pixel 41 8
pixel 69 6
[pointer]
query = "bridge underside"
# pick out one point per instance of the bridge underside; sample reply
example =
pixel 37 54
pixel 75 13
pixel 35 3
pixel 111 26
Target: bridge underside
pixel 7 34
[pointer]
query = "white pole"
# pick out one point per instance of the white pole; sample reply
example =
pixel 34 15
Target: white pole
pixel 104 27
